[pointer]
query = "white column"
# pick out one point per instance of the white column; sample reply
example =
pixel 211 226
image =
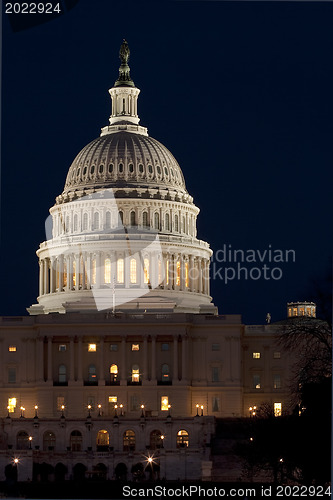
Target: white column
pixel 61 273
pixel 77 272
pixel 192 273
pixel 175 358
pixel 52 276
pixel 41 277
pixel 46 276
pixel 98 270
pixel 200 274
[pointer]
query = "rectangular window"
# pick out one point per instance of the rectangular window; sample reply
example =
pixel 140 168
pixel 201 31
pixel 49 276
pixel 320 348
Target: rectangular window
pixel 215 347
pixel 215 404
pixel 113 399
pixel 164 347
pixel 277 355
pixel 256 381
pixel 277 409
pixel 277 382
pixel 215 374
pixel 11 405
pixel 113 347
pixel 11 375
pixel 135 347
pixel 164 403
pixel 12 348
pixel 92 348
pixel 256 355
pixel 134 403
pixel 60 402
pixel 62 348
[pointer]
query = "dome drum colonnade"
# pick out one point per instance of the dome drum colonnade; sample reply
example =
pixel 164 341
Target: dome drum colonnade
pixel 124 222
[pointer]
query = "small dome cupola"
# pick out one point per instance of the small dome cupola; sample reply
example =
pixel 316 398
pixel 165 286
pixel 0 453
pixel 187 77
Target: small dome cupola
pixel 124 94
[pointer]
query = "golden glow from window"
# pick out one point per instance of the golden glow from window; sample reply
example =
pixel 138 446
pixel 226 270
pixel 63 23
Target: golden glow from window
pixel 133 271
pixel 135 347
pixel 65 274
pixel 93 272
pixel 107 271
pixel 12 348
pixel 256 355
pixel 295 311
pixel 289 311
pixel 186 275
pixel 146 270
pixel 11 405
pixel 178 273
pixel 114 369
pixel 74 273
pixel 120 270
pixel 167 272
pixel 92 348
pixel 277 409
pixel 113 399
pixel 301 311
pixel 102 438
pixel 164 403
pixel 135 374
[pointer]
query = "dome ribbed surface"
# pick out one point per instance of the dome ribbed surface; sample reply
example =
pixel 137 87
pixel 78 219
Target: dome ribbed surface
pixel 124 159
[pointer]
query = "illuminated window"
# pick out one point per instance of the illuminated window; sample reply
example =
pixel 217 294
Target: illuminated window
pixel 167 272
pixel 256 381
pixel 120 270
pixel 113 373
pixel 301 311
pixel 135 374
pixel 92 348
pixel 135 347
pixel 102 439
pixel 133 270
pixel 277 409
pixel 182 439
pixel 146 270
pixel 289 311
pixel 295 311
pixel 93 272
pixel 107 271
pixel 215 347
pixel 62 347
pixel 178 273
pixel 12 375
pixel 165 373
pixel 129 441
pixel 256 355
pixel 12 348
pixel 11 405
pixel 186 275
pixel 277 382
pixel 277 355
pixel 62 373
pixel 113 399
pixel 164 403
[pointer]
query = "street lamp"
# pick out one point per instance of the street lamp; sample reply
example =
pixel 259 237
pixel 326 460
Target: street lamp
pixel 121 410
pixel 89 410
pixel 30 441
pixel 142 408
pixel 162 440
pixel 36 411
pixel 197 407
pixel 99 410
pixel 62 411
pixel 22 411
pixel 202 410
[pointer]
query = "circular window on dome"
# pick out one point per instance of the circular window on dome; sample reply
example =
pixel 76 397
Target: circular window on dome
pixel 131 168
pixel 84 171
pixel 150 169
pixel 101 169
pixel 121 168
pixel 141 168
pixel 158 169
pixel 110 168
pixel 92 170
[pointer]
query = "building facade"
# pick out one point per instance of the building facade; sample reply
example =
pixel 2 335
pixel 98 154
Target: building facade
pixel 124 363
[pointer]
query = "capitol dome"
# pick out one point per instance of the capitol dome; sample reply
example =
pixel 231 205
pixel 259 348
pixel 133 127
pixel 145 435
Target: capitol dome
pixel 122 235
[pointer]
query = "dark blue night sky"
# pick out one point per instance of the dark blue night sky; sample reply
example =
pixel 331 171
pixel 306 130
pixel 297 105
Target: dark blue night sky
pixel 240 92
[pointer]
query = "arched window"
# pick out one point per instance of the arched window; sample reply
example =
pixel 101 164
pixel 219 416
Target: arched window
pixel 133 278
pixel 107 271
pixel 184 225
pixel 133 223
pixel 165 373
pixel 62 377
pixel 92 375
pixel 146 270
pixel 67 224
pixel 120 270
pixel 85 222
pixel 182 439
pixel 113 373
pixel 108 220
pixel 167 222
pixel 22 441
pixel 96 221
pixel 75 441
pixel 145 219
pixel 129 441
pixel 49 441
pixel 102 440
pixel 121 218
pixel 155 440
pixel 176 223
pixel 135 374
pixel 75 225
pixel 156 221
